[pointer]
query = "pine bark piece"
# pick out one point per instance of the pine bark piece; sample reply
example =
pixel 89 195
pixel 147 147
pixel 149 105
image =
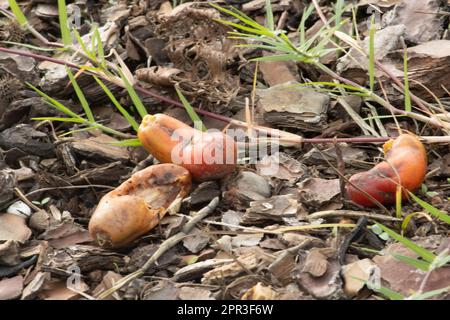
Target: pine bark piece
pixel 422 19
pixel 428 64
pixel 360 269
pixel 404 278
pixel 328 286
pixel 290 105
pixel 87 258
pixel 283 208
pixel 11 288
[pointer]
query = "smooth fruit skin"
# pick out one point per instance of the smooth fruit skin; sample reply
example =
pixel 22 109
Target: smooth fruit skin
pixel 405 165
pixel 206 155
pixel 138 204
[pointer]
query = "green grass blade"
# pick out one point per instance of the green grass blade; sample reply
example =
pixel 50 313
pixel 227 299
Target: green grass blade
pixel 127 143
pixel 408 107
pixel 63 23
pixel 390 294
pixel 89 128
pixel 95 126
pixel 81 97
pixel 331 84
pixel 54 103
pixel 312 40
pixel 339 9
pixel 73 120
pixel 269 16
pixel 431 209
pixel 30 46
pixel 116 103
pixel 15 8
pixel 302 26
pixel 355 21
pixel 365 127
pixel 419 264
pixel 134 96
pixel 110 130
pixel 377 120
pixel 276 44
pixel 408 218
pixel 425 254
pixel 239 15
pixel 372 53
pixel 398 202
pixel 326 38
pixel 245 28
pixel 247 19
pixel 278 57
pixel 86 51
pixel 428 294
pixel 99 47
pixel 191 112
pixel 263 47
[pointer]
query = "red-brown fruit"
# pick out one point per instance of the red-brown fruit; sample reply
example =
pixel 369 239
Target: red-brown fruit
pixel 405 165
pixel 137 205
pixel 206 155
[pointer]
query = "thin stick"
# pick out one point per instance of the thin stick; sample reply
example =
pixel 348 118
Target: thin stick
pixel 341 168
pixel 425 280
pixel 351 214
pixel 25 199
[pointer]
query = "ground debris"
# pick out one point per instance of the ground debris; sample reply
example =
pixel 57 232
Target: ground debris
pixel 100 148
pixel 291 105
pixel 14 227
pixel 11 288
pixel 28 140
pixel 326 286
pixel 260 292
pixel 317 192
pixel 283 208
pixel 354 275
pixel 193 293
pixel 86 258
pixel 250 260
pixel 161 290
pixel 246 187
pixel 408 13
pixel 406 279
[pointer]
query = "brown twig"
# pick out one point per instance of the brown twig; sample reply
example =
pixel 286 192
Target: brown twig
pixel 20 194
pixel 341 168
